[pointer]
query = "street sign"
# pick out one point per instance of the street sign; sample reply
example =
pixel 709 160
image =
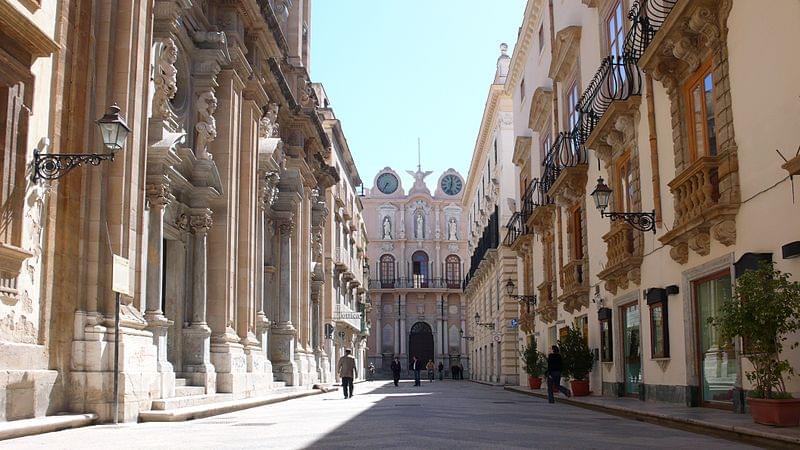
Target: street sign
pixel 497 337
pixel 121 276
pixel 514 323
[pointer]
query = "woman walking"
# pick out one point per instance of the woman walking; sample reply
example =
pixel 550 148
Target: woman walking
pixel 430 368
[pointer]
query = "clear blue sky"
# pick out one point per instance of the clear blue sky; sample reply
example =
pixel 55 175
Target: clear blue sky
pixel 396 70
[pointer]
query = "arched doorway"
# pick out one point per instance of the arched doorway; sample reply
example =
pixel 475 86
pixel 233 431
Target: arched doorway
pixel 420 342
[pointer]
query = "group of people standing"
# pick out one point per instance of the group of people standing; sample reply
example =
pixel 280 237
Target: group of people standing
pixel 415 366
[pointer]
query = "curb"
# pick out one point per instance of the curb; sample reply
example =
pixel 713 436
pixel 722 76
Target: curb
pixel 27 427
pixel 696 425
pixel 214 409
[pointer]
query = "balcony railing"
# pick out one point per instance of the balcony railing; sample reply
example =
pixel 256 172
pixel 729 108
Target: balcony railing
pixel 416 282
pixel 617 79
pixel 566 151
pixel 489 240
pixel 647 17
pixel 696 190
pixel 515 228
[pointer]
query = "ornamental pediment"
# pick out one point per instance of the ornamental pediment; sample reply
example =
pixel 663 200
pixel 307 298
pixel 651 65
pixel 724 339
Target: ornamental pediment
pixel 565 52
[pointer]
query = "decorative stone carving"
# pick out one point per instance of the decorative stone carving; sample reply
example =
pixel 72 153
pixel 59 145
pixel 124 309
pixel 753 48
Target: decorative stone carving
pixel 680 253
pixel 268 125
pixel 308 98
pixel 700 243
pixel 206 127
pixel 452 230
pixel 725 232
pixel 201 223
pixel 419 225
pixel 703 22
pixel 387 247
pixel 158 194
pixel 286 227
pixel 165 77
pixel 269 190
pixel 182 222
pixel 387 228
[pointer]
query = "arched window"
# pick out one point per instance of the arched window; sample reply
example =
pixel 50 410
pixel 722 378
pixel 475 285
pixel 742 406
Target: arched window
pixel 387 271
pixel 419 261
pixel 452 265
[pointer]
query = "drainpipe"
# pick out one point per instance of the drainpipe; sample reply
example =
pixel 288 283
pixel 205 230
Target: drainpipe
pixel 651 122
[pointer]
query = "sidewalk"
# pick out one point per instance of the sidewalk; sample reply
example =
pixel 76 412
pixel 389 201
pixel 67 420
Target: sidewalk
pixel 702 420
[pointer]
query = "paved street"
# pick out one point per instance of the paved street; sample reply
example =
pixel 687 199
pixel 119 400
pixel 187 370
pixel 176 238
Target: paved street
pixel 440 415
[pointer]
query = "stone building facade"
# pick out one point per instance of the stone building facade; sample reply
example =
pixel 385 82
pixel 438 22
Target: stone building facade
pixel 416 253
pixel 218 202
pixel 493 341
pixel 660 99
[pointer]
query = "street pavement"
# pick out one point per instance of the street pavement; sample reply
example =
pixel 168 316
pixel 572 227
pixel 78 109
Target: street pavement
pixel 446 415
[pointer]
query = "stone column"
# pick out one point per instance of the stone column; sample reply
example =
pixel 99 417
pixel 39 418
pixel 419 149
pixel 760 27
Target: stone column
pixel 282 345
pixel 158 197
pixel 197 337
pixel 402 330
pixel 438 335
pixel 463 311
pixel 445 329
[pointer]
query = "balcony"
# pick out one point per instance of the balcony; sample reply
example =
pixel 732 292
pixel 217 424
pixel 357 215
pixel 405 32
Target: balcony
pixel 647 17
pixel 515 229
pixel 416 282
pixel 624 257
pixel 540 205
pixel 346 315
pixel 575 286
pixel 341 259
pixel 700 210
pixel 565 168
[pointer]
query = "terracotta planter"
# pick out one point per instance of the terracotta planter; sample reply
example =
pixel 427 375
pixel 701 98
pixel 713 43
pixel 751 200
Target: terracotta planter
pixel 780 413
pixel 580 388
pixel 534 382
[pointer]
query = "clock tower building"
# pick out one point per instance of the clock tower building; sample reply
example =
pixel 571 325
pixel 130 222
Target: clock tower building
pixel 417 253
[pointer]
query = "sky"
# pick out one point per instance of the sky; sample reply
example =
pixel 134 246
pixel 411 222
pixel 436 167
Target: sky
pixel 398 70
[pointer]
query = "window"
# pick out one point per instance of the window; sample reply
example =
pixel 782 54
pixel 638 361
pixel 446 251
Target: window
pixel 699 98
pixel 659 331
pixel 387 271
pixel 582 324
pixel 624 183
pixel 606 339
pixel 544 147
pixel 541 36
pixel 572 104
pixel 615 26
pixel 453 271
pixel 522 90
pixel 576 217
pixel 552 335
pixel 495 152
pixel 419 263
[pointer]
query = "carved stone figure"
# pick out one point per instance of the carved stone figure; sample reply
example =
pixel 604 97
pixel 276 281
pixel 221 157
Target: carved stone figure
pixel 452 230
pixel 268 125
pixel 419 230
pixel 387 228
pixel 165 77
pixel 206 126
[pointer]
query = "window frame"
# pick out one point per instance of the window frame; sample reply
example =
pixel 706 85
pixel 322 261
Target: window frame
pixel 576 241
pixel 623 203
pixel 604 317
pixel 697 78
pixel 611 40
pixel 662 353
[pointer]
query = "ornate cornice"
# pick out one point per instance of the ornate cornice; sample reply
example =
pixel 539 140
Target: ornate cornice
pixel 565 52
pixel 533 12
pixel 541 102
pixel 491 114
pixel 522 147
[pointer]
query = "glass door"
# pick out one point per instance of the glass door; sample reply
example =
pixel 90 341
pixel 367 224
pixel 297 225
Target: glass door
pixel 717 363
pixel 632 358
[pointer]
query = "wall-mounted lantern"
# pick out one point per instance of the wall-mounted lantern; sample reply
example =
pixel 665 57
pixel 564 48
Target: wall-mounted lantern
pixel 643 221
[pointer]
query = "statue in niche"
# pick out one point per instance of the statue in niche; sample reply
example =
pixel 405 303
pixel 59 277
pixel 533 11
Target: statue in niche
pixel 419 229
pixel 452 230
pixel 387 228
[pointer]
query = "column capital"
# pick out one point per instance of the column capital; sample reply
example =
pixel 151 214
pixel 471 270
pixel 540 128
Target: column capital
pixel 285 227
pixel 158 195
pixel 201 222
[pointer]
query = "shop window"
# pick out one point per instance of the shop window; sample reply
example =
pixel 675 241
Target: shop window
pixel 606 335
pixel 659 331
pixel 698 94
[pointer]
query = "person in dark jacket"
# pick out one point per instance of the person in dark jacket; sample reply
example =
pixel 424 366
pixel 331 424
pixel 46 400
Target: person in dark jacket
pixel 416 367
pixel 441 371
pixel 396 367
pixel 454 371
pixel 554 375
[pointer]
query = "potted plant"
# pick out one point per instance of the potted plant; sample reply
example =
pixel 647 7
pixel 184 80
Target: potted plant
pixel 765 309
pixel 535 365
pixel 577 361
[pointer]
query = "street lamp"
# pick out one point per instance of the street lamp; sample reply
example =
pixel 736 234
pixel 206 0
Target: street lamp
pixel 511 290
pixel 114 132
pixel 642 221
pixel 478 322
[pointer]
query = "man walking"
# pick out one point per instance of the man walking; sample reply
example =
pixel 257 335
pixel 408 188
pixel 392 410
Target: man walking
pixel 348 371
pixel 441 371
pixel 416 366
pixel 554 375
pixel 396 370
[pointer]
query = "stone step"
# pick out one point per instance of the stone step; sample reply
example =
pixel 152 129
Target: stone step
pixel 187 401
pixel 185 391
pixel 180 382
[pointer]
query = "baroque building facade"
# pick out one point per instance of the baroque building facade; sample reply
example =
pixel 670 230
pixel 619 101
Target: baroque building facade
pixel 219 203
pixel 493 341
pixel 416 253
pixel 660 99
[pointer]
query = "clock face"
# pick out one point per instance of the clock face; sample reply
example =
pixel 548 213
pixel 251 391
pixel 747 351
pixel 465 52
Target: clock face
pixel 451 184
pixel 387 183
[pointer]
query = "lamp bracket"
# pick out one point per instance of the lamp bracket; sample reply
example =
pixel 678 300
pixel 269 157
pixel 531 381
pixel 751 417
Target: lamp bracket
pixel 52 166
pixel 642 221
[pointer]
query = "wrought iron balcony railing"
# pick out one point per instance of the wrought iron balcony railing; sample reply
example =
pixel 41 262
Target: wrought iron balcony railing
pixel 566 151
pixel 647 17
pixel 416 282
pixel 617 79
pixel 515 228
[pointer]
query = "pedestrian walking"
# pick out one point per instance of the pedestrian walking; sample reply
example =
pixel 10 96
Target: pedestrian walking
pixel 460 371
pixel 554 374
pixel 430 368
pixel 441 371
pixel 371 372
pixel 348 371
pixel 396 367
pixel 416 366
pixel 454 371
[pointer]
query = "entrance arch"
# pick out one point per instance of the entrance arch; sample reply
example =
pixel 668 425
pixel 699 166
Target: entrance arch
pixel 420 342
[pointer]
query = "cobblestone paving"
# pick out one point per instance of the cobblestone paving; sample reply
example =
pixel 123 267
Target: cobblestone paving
pixel 449 414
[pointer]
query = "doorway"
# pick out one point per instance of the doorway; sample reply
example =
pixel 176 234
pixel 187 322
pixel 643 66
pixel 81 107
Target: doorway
pixel 717 360
pixel 419 262
pixel 420 342
pixel 631 349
